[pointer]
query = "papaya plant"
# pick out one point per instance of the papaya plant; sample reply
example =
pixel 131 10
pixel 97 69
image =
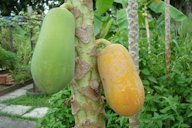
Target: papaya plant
pixel 164 105
pixel 86 102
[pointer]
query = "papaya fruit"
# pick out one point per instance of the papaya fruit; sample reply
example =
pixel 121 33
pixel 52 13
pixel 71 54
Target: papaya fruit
pixel 122 85
pixel 53 60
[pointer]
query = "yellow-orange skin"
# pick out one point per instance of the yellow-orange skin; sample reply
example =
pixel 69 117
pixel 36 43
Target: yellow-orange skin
pixel 123 88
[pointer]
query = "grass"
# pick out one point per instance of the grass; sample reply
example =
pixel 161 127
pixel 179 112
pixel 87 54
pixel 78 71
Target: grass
pixel 17 116
pixel 36 101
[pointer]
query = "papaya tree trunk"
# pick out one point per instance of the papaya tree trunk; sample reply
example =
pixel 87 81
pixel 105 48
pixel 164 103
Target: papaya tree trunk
pixel 87 104
pixel 133 34
pixel 167 39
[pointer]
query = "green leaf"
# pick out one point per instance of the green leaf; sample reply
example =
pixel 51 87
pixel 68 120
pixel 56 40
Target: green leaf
pixel 145 71
pixel 152 79
pixel 189 115
pixel 122 19
pixel 157 8
pixel 157 1
pixel 146 82
pixel 97 24
pixel 103 5
pixel 165 110
pixel 176 14
pixel 142 1
pixel 105 28
pixel 186 27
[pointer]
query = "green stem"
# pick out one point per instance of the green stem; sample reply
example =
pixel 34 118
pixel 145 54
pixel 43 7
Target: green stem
pixel 102 41
pixel 68 6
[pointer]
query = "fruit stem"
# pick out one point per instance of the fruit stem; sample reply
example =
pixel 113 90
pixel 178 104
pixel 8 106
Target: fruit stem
pixel 68 6
pixel 102 41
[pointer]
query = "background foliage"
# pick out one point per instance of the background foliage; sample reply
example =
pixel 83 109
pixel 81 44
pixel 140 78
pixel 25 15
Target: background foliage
pixel 168 103
pixel 17 36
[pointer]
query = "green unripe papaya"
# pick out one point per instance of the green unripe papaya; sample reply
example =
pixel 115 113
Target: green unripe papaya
pixel 53 60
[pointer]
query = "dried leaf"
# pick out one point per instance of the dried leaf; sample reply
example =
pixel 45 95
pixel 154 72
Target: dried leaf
pixel 100 108
pixel 89 108
pixel 76 12
pixel 87 124
pixel 67 101
pixel 94 51
pixel 75 106
pixel 88 3
pixel 81 69
pixel 94 84
pixel 84 33
pixel 100 119
pixel 90 93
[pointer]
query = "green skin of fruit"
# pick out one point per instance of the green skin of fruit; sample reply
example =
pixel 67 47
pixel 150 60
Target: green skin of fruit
pixel 53 60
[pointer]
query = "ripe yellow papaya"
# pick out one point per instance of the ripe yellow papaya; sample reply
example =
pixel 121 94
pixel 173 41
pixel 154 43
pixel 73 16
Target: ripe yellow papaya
pixel 53 60
pixel 122 85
